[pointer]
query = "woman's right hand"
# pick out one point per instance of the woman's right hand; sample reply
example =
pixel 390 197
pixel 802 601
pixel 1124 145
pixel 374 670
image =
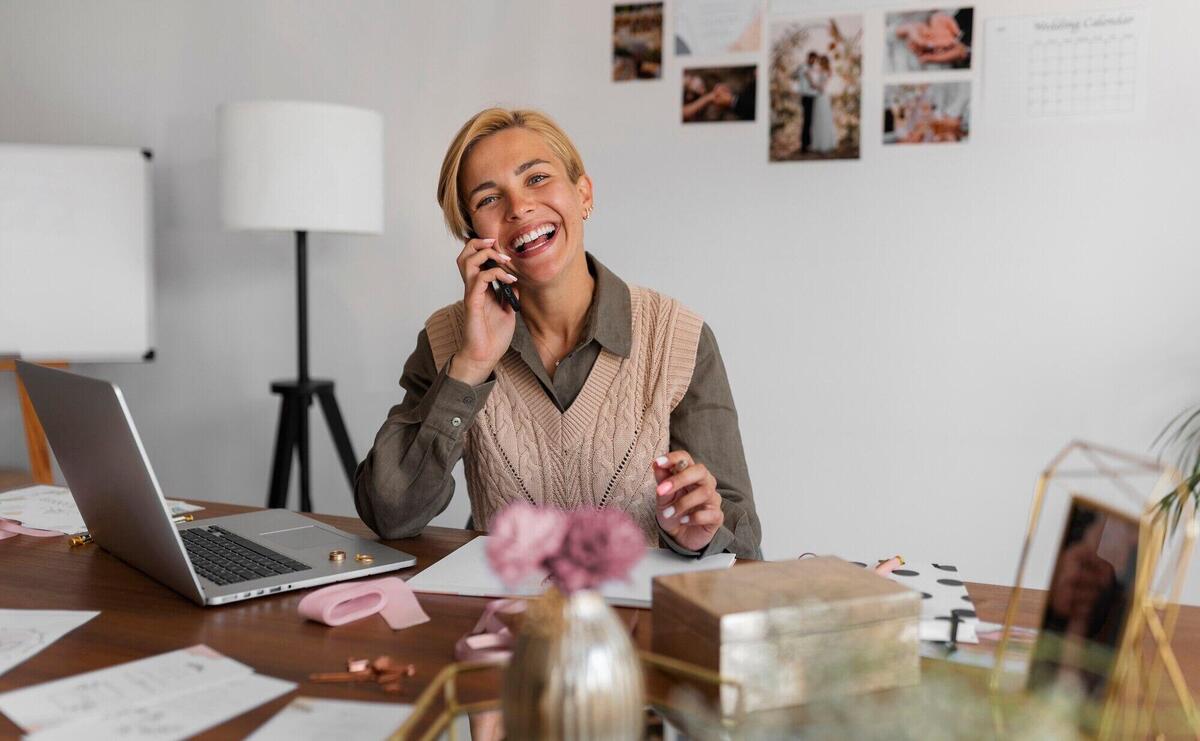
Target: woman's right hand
pixel 490 324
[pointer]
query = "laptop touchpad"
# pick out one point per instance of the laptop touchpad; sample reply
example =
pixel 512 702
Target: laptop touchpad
pixel 304 537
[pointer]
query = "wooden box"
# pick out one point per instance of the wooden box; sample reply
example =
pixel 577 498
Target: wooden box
pixel 790 631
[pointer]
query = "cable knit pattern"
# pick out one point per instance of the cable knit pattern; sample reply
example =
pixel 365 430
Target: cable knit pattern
pixel 599 452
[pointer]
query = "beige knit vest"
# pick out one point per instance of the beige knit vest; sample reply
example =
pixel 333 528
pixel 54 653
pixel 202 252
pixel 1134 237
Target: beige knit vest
pixel 599 452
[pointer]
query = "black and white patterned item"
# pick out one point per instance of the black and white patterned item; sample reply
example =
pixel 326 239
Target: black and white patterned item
pixel 943 595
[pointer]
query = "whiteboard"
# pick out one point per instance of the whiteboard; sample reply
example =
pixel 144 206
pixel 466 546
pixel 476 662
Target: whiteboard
pixel 76 249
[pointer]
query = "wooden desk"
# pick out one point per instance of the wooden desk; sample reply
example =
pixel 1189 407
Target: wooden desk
pixel 140 618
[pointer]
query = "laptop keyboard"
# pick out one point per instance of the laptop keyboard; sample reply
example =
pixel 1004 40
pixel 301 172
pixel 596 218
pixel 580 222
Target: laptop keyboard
pixel 225 558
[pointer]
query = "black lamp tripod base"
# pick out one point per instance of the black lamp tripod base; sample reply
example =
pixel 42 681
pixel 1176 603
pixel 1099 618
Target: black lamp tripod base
pixel 293 435
pixel 297 398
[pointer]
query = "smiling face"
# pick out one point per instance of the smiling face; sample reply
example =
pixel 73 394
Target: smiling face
pixel 517 192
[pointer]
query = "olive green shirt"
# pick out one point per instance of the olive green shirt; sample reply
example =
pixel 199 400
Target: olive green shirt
pixel 406 480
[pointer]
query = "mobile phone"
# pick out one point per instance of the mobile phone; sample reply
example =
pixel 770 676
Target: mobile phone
pixel 503 291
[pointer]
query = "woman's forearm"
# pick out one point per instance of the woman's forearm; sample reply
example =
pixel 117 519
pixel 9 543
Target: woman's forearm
pixel 706 425
pixel 407 478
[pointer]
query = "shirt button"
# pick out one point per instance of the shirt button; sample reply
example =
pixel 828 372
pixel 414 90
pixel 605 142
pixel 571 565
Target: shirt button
pixel 457 421
pixel 468 399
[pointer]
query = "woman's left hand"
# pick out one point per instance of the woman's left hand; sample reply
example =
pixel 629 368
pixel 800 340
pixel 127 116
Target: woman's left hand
pixel 689 507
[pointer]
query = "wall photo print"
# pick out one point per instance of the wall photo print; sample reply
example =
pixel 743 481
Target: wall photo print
pixel 715 94
pixel 717 26
pixel 926 113
pixel 928 40
pixel 637 42
pixel 816 88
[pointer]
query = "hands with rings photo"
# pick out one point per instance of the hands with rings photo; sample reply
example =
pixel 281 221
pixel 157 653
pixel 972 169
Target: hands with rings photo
pixel 688 504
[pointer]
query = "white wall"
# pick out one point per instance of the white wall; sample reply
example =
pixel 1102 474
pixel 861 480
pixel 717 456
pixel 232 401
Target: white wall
pixel 910 337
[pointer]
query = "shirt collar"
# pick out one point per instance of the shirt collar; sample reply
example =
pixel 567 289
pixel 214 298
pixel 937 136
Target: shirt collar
pixel 610 317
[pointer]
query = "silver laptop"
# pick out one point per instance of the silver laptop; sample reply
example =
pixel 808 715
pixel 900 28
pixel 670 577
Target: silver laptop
pixel 211 561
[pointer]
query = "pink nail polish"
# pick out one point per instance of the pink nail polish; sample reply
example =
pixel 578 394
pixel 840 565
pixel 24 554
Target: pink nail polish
pixel 685 519
pixel 664 487
pixel 669 512
pixel 661 460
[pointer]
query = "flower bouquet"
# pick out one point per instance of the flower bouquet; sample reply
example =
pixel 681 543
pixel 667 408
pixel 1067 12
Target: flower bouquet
pixel 574 673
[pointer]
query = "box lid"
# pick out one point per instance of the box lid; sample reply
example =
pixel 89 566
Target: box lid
pixel 812 595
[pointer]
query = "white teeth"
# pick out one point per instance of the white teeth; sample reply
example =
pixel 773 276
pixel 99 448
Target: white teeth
pixel 530 236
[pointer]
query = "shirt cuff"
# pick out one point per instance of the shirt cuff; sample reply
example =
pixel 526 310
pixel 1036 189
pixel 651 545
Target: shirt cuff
pixel 720 543
pixel 455 403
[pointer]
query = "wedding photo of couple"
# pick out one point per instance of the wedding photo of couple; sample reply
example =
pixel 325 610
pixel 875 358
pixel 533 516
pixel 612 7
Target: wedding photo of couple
pixel 816 89
pixel 812 83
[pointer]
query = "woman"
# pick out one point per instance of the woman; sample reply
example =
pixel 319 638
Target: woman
pixel 824 137
pixel 595 393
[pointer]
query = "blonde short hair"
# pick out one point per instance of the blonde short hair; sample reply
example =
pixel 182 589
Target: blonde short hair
pixel 479 127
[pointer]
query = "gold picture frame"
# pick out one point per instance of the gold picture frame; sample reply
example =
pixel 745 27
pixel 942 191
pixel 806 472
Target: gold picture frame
pixel 1129 710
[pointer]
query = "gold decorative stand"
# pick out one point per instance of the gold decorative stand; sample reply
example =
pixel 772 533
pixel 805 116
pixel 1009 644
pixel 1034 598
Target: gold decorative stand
pixel 1144 654
pixel 445 684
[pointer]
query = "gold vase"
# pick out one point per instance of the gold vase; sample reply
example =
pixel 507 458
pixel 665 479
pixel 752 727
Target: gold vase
pixel 574 673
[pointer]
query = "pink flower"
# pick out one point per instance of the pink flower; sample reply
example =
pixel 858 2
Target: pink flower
pixel 522 538
pixel 600 546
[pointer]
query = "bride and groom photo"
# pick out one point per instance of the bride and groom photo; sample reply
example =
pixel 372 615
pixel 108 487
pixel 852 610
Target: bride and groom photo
pixel 812 83
pixel 816 89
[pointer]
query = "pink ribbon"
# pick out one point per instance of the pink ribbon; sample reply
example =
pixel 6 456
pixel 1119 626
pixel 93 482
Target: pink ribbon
pixel 490 639
pixel 9 528
pixel 345 603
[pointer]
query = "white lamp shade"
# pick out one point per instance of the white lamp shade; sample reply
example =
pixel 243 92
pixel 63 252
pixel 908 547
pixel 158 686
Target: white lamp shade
pixel 296 166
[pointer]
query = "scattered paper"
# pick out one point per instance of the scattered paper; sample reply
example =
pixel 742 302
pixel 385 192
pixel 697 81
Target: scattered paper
pixel 181 508
pixel 177 717
pixel 53 508
pixel 466 572
pixel 24 633
pixel 319 719
pixel 983 655
pixel 142 698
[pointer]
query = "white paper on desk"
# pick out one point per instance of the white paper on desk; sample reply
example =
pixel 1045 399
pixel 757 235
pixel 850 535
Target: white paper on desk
pixel 318 719
pixel 942 595
pixel 24 633
pixel 178 507
pixel 466 572
pixel 176 717
pixel 53 508
pixel 145 681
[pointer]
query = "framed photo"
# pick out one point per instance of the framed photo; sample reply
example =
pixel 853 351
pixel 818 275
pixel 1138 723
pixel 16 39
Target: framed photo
pixel 1088 605
pixel 923 40
pixel 637 41
pixel 927 113
pixel 815 78
pixel 714 94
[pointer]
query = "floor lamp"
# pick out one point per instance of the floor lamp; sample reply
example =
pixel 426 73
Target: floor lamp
pixel 301 167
